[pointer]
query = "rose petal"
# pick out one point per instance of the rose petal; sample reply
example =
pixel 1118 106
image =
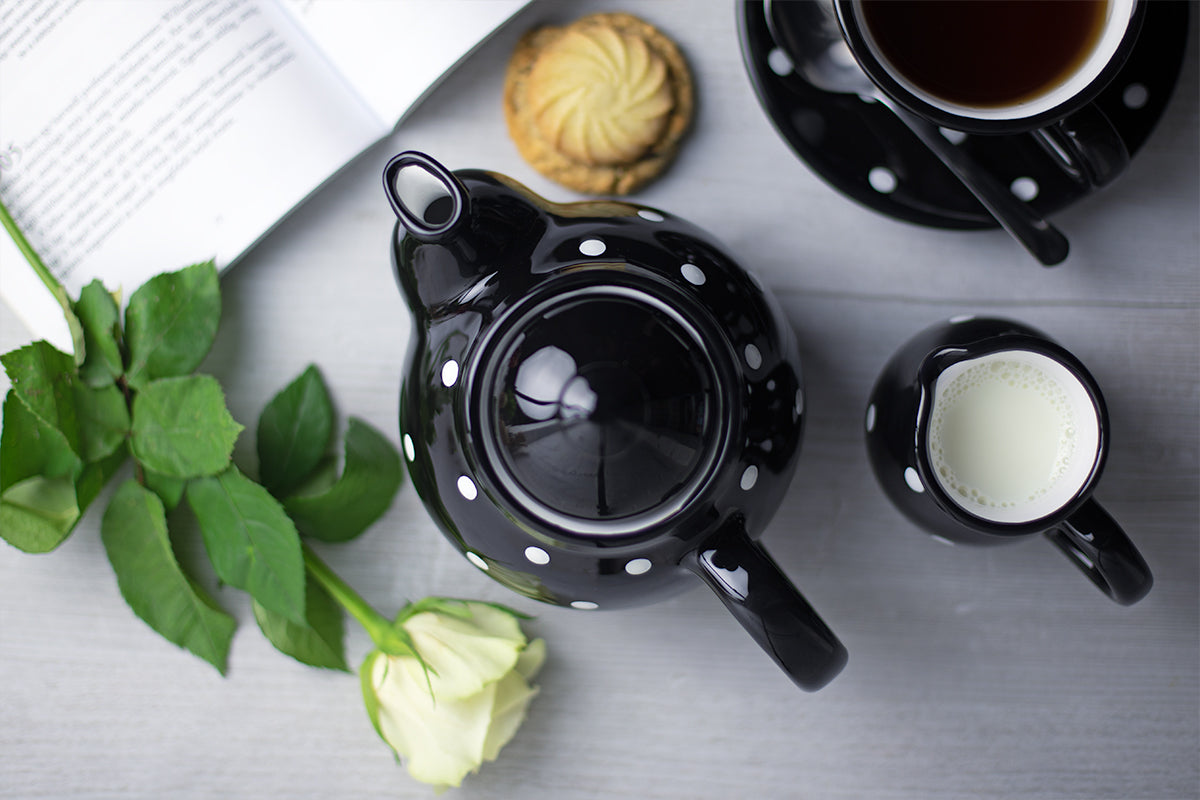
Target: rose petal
pixel 529 663
pixel 441 741
pixel 508 712
pixel 369 681
pixel 495 621
pixel 464 655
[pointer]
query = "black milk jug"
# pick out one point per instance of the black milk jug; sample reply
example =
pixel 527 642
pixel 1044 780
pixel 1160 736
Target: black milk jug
pixel 598 403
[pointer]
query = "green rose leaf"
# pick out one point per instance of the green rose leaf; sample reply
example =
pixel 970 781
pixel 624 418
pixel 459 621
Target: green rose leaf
pixel 169 490
pixel 294 432
pixel 251 542
pixel 370 477
pixel 134 532
pixel 171 322
pixel 100 317
pixel 38 514
pixel 28 446
pixel 103 420
pixel 37 468
pixel 317 643
pixel 37 471
pixel 44 378
pixel 320 479
pixel 95 475
pixel 181 428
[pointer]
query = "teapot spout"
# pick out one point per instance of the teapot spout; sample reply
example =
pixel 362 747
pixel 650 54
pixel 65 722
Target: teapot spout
pixel 428 199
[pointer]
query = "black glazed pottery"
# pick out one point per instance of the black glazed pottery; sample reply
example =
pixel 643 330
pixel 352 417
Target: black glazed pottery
pixel 897 426
pixel 862 150
pixel 598 403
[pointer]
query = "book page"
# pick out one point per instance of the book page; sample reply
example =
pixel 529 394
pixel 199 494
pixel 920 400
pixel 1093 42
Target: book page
pixel 394 53
pixel 140 136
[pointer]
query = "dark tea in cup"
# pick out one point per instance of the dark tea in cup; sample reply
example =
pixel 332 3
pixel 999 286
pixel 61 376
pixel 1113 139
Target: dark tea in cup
pixel 991 66
pixel 986 53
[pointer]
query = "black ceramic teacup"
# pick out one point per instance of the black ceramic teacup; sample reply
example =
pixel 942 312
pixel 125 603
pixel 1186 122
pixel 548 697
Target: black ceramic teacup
pixel 1003 67
pixel 984 430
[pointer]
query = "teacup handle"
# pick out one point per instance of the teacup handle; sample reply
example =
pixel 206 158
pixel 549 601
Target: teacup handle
pixel 1087 146
pixel 1095 543
pixel 768 606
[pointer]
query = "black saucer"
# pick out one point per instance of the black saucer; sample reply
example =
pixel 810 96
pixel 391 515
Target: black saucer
pixel 862 150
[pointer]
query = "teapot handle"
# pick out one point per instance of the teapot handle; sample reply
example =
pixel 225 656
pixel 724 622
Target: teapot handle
pixel 427 198
pixel 768 606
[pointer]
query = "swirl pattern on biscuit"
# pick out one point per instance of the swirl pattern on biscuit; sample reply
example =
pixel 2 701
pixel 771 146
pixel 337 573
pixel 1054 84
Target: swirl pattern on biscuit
pixel 600 96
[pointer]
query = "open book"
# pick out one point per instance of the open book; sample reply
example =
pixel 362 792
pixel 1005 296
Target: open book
pixel 138 137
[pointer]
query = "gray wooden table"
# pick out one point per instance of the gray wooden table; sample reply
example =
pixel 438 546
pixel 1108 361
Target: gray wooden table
pixel 996 673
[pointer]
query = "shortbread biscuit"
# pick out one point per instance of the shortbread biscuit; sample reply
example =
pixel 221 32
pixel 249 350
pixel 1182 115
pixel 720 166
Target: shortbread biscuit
pixel 599 105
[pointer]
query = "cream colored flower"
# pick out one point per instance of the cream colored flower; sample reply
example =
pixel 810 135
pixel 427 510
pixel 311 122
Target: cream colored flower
pixel 445 721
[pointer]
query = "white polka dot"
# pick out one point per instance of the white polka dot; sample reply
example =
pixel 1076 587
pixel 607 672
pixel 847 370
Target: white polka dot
pixel 779 62
pixel 638 566
pixel 586 605
pixel 1135 96
pixel 753 357
pixel 449 373
pixel 652 216
pixel 882 180
pixel 536 555
pixel 592 247
pixel 475 559
pixel 409 449
pixel 466 487
pixel 1024 188
pixel 749 478
pixel 692 274
pixel 870 417
pixel 952 136
pixel 913 480
pixel 771 385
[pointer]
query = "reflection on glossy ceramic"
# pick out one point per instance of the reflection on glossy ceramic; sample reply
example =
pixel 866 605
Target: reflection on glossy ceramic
pixel 901 424
pixel 598 402
pixel 861 150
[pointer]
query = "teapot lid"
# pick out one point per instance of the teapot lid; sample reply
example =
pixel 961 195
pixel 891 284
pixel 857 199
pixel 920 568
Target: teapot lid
pixel 602 412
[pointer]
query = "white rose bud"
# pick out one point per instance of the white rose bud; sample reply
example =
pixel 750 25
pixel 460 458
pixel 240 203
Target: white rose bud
pixel 445 721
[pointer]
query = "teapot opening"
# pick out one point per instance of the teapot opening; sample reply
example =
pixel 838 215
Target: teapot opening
pixel 601 435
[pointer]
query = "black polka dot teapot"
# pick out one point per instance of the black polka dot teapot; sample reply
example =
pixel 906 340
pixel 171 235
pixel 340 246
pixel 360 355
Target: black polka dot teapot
pixel 598 403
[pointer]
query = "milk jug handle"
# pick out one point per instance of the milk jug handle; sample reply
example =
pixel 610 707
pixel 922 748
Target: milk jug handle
pixel 1094 542
pixel 764 601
